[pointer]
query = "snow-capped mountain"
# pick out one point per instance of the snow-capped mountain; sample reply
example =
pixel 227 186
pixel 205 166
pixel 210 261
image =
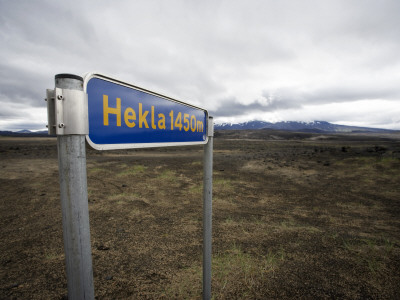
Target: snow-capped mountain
pixel 315 126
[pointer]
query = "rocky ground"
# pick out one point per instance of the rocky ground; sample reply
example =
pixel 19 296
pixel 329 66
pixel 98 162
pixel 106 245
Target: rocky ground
pixel 294 216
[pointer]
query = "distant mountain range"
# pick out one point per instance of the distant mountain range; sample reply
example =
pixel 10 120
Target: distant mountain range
pixel 311 127
pixel 24 132
pixel 315 127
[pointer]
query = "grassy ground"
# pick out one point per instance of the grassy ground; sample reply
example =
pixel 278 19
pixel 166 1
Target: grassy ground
pixel 301 217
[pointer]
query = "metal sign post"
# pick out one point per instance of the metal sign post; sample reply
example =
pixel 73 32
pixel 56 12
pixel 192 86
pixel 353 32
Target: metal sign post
pixel 207 210
pixel 66 103
pixel 112 114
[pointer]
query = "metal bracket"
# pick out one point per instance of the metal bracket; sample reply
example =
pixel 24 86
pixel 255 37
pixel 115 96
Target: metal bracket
pixel 210 125
pixel 51 120
pixel 67 112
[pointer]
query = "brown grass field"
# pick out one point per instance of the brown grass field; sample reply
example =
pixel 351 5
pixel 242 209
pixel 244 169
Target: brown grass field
pixel 294 216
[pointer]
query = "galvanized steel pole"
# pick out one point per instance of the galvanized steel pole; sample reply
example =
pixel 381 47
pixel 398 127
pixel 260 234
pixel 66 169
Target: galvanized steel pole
pixel 74 204
pixel 207 211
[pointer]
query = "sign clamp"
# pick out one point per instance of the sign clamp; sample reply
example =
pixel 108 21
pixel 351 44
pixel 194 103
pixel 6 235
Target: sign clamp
pixel 67 112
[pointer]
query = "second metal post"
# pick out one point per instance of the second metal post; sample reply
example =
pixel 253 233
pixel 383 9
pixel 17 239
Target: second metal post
pixel 207 211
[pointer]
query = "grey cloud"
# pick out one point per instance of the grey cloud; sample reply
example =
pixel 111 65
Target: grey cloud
pixel 306 53
pixel 46 24
pixel 22 86
pixel 290 98
pixel 232 108
pixel 24 125
pixel 229 108
pixel 345 93
pixel 8 112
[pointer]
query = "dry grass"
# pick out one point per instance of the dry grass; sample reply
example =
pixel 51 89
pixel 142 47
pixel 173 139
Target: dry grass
pixel 291 220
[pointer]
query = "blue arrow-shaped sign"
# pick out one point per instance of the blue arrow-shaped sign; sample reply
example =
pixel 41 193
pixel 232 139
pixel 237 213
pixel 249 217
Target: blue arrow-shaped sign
pixel 123 116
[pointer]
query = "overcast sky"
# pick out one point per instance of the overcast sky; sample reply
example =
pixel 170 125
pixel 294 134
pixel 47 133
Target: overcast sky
pixel 337 61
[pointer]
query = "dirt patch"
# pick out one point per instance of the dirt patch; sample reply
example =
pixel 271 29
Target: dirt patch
pixel 293 217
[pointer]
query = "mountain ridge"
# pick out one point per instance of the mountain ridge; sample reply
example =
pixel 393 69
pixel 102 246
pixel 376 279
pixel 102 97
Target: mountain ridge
pixel 24 132
pixel 295 126
pixel 313 127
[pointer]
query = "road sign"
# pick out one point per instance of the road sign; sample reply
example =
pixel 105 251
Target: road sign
pixel 123 116
pixel 136 119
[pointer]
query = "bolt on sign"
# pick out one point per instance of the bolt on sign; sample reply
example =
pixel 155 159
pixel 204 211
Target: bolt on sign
pixel 123 116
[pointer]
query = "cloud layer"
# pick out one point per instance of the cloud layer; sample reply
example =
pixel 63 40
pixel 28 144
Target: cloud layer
pixel 271 60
